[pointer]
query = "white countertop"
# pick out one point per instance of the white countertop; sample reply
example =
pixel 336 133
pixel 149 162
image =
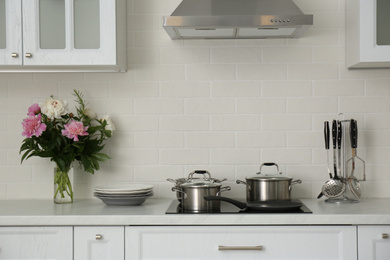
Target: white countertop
pixel 152 212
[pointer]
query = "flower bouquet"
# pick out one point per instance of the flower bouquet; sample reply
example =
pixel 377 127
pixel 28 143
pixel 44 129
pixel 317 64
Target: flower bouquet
pixel 53 132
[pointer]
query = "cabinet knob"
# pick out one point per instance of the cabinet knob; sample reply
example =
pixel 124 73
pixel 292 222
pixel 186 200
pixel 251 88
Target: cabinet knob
pixel 98 236
pixel 14 55
pixel 385 236
pixel 28 55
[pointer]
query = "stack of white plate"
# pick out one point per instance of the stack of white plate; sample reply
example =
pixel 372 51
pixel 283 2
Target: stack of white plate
pixel 124 195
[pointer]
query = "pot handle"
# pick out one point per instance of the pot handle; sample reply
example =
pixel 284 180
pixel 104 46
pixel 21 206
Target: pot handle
pixel 294 182
pixel 206 175
pixel 172 180
pixel 240 182
pixel 227 188
pixel 269 164
pixel 179 190
pixel 243 182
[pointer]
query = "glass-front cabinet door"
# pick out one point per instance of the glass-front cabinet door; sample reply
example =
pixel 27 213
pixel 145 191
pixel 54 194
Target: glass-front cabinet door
pixel 10 32
pixel 69 32
pixel 367 33
pixel 63 33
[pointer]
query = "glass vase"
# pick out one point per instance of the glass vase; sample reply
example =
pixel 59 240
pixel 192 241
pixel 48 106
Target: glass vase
pixel 63 189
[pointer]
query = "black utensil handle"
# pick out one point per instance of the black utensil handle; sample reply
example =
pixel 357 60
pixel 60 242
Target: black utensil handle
pixel 334 133
pixel 353 133
pixel 339 134
pixel 236 203
pixel 326 134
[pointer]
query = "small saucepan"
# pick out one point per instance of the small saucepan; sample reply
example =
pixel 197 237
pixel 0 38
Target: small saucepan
pixel 271 205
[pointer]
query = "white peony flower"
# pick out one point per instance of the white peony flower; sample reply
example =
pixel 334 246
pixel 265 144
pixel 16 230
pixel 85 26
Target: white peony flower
pixel 110 125
pixel 54 108
pixel 89 113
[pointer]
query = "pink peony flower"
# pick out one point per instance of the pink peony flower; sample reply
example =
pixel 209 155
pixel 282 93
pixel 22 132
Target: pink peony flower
pixel 33 110
pixel 32 125
pixel 74 129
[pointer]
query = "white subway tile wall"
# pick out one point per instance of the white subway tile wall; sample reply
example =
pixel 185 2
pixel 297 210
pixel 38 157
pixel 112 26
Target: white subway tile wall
pixel 221 105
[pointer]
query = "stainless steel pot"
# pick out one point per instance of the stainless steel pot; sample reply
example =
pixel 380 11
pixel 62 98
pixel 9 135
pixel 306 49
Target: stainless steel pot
pixel 192 196
pixel 268 187
pixel 206 177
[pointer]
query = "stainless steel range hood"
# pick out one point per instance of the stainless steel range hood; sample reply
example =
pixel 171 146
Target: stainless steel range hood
pixel 236 19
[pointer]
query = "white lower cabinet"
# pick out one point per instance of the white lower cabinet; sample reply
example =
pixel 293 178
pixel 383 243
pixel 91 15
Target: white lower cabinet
pixel 99 243
pixel 241 242
pixel 36 243
pixel 374 242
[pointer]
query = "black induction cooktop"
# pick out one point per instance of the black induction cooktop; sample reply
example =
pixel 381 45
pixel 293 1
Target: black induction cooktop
pixel 227 208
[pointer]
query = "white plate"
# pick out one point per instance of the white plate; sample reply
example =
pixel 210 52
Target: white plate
pixel 99 195
pixel 124 201
pixel 124 188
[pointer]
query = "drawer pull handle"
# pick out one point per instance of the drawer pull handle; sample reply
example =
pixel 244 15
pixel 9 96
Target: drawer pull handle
pixel 14 55
pixel 223 248
pixel 98 236
pixel 29 55
pixel 385 236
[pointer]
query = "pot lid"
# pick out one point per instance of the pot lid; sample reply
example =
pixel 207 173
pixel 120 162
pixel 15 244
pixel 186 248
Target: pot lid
pixel 200 185
pixel 268 178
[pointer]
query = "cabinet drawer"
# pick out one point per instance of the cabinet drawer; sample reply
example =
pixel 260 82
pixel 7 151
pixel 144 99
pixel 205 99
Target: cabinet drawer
pixel 36 243
pixel 271 242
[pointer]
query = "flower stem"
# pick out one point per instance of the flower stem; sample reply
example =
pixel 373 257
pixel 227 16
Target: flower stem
pixel 63 184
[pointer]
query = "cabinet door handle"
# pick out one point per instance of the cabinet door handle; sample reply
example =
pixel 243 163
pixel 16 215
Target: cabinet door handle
pixel 385 236
pixel 28 55
pixel 14 55
pixel 98 236
pixel 223 248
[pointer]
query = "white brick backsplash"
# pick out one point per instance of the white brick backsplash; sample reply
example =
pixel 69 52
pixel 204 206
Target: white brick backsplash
pixel 338 88
pixel 210 106
pixel 158 106
pixel 328 53
pixel 159 140
pixel 286 122
pixel 305 139
pixel 284 54
pixel 157 173
pixel 134 89
pixel 312 105
pixel 184 123
pixel 235 123
pixel 135 123
pixel 139 55
pixel 261 71
pixel 210 72
pixel 210 139
pixel 184 89
pixel 364 104
pixel 184 55
pixel 235 55
pixel 235 89
pixel 184 156
pixel 159 72
pixel 261 105
pixel 378 87
pixel 235 156
pixel 286 88
pixel 286 156
pixel 261 139
pixel 221 105
pixel 313 71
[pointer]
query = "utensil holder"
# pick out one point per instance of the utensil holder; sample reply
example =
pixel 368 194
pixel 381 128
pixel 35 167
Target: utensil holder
pixel 345 147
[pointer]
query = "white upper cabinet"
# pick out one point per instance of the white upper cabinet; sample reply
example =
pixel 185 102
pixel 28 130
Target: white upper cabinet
pixel 367 33
pixel 63 35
